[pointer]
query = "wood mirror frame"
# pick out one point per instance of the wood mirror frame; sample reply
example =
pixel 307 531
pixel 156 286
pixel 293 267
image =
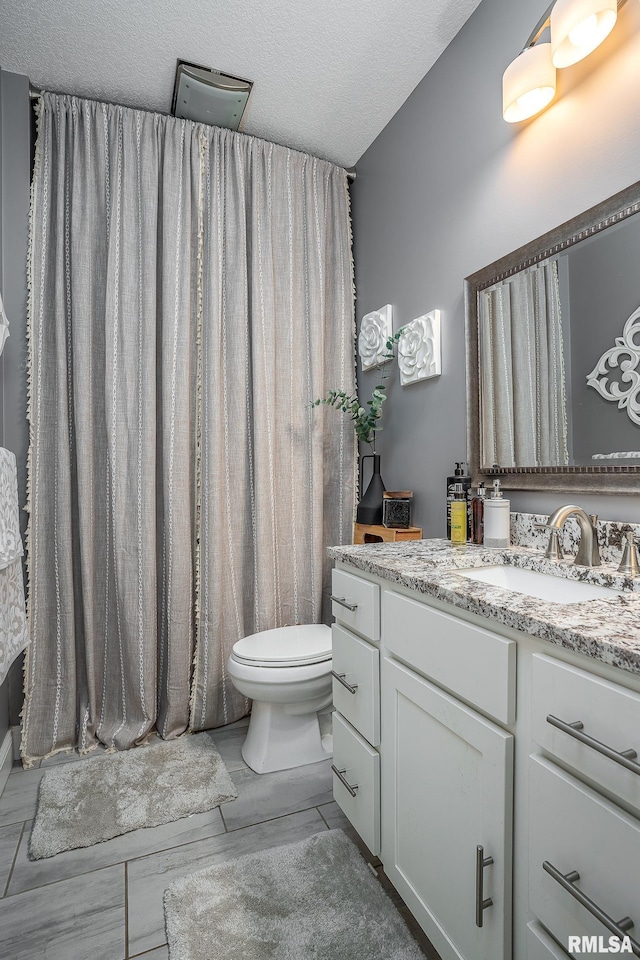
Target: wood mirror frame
pixel 592 479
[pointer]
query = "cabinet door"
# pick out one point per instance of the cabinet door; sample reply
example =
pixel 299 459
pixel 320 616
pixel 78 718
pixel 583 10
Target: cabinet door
pixel 609 714
pixel 582 837
pixel 358 663
pixel 447 782
pixel 475 664
pixel 359 765
pixel 356 603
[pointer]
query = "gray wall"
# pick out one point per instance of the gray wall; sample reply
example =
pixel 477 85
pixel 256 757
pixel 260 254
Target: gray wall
pixel 448 187
pixel 15 169
pixel 604 278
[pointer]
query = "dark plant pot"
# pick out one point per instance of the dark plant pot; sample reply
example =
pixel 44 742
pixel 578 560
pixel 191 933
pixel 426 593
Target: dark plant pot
pixel 370 506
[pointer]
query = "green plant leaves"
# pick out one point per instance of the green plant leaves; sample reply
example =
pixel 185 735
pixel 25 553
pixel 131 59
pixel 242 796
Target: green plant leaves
pixel 365 418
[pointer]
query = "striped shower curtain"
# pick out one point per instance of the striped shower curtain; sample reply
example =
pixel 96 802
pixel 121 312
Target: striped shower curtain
pixel 522 371
pixel 190 294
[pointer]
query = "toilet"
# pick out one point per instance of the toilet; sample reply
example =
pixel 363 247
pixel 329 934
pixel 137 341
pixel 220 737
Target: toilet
pixel 287 673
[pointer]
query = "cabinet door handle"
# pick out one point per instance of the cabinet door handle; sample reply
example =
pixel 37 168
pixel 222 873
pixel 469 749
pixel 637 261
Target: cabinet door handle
pixel 626 758
pixel 568 881
pixel 351 787
pixel 344 603
pixel 482 902
pixel 340 677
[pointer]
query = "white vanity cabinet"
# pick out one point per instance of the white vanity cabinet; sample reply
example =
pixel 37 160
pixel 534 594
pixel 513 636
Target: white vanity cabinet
pixel 467 791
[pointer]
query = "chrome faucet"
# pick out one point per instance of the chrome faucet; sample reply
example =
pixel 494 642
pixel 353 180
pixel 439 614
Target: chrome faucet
pixel 588 552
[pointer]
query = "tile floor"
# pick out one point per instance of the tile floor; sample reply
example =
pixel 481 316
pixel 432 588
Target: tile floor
pixel 105 902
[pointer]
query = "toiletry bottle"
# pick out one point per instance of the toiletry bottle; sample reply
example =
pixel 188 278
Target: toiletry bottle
pixel 459 476
pixel 477 515
pixel 497 519
pixel 459 514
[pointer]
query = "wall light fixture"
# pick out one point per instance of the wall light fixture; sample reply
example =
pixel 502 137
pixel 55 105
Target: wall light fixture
pixel 576 27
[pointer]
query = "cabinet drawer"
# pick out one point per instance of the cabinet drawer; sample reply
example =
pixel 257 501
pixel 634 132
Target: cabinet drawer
pixel 363 596
pixel 471 662
pixel 540 946
pixel 359 665
pixel 573 828
pixel 610 715
pixel 360 766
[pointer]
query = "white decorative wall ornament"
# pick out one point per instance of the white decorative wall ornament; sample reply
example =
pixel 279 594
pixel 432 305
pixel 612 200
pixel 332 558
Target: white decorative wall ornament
pixel 419 349
pixel 376 328
pixel 626 357
pixel 4 326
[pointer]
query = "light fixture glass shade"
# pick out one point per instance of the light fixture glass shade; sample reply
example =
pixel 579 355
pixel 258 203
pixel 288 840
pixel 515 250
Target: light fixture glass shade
pixel 528 84
pixel 578 27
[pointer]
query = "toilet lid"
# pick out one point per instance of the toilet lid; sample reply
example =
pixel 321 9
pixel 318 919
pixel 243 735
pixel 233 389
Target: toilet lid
pixel 286 646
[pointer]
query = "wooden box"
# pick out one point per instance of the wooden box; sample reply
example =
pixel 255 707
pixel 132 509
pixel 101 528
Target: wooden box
pixel 374 533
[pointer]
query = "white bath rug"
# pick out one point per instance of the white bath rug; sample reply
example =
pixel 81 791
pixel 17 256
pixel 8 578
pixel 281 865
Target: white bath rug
pixel 313 900
pixel 96 799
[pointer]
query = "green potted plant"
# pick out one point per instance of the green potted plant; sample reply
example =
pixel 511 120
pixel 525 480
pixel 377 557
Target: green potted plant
pixel 366 421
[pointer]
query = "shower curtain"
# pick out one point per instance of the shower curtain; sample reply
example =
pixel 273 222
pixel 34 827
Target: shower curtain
pixel 190 294
pixel 522 375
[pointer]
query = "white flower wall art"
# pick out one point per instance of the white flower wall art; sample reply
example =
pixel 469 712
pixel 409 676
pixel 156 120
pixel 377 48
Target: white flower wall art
pixel 625 357
pixel 375 330
pixel 419 349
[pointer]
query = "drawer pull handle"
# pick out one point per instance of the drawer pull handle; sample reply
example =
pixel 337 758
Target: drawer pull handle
pixel 340 677
pixel 482 902
pixel 626 758
pixel 351 787
pixel 344 603
pixel 568 880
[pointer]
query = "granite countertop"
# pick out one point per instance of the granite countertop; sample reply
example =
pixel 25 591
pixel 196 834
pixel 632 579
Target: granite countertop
pixel 606 629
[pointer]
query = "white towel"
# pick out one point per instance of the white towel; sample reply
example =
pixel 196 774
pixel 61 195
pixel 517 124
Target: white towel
pixel 10 542
pixel 4 326
pixel 14 636
pixel 623 455
pixel 13 621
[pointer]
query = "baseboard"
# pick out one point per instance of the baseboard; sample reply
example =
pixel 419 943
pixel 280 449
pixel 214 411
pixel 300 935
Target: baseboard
pixel 6 759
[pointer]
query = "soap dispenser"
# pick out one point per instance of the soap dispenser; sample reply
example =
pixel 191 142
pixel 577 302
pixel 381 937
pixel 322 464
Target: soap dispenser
pixel 458 476
pixel 459 515
pixel 497 519
pixel 477 515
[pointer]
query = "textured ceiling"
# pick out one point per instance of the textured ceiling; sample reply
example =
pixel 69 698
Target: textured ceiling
pixel 328 74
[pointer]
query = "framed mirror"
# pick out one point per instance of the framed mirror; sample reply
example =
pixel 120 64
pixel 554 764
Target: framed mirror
pixel 553 357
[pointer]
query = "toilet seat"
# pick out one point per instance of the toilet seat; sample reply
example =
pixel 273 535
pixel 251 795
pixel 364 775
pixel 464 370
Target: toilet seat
pixel 303 644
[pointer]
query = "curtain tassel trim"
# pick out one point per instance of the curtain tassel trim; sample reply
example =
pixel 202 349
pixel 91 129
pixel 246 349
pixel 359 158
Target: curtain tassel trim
pixel 29 653
pixel 198 464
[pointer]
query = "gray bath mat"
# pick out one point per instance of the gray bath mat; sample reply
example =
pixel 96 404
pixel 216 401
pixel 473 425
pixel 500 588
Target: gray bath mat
pixel 315 899
pixel 82 803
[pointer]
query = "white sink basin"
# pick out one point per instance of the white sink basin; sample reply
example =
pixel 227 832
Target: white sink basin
pixel 544 586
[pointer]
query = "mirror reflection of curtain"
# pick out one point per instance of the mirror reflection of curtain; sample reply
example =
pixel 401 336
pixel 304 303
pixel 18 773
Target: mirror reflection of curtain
pixel 522 376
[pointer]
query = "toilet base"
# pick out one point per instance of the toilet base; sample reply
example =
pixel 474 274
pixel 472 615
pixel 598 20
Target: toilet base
pixel 278 738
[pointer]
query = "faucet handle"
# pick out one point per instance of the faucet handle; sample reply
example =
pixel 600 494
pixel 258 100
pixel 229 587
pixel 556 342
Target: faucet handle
pixel 554 550
pixel 629 564
pixel 595 550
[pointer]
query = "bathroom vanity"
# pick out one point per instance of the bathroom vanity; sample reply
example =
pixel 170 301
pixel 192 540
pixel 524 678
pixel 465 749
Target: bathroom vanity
pixel 484 740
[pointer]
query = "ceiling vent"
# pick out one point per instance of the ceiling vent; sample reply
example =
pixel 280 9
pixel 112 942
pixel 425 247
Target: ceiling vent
pixel 208 96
